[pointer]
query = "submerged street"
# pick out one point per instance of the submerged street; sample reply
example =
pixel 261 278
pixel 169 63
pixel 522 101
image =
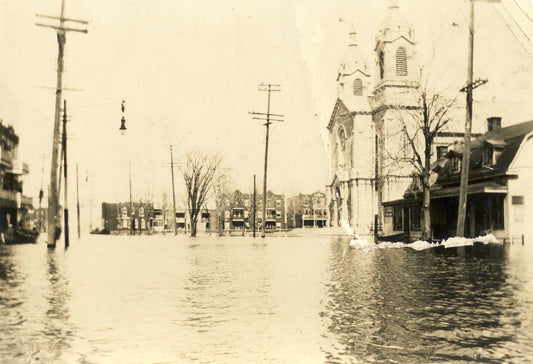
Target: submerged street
pixel 159 299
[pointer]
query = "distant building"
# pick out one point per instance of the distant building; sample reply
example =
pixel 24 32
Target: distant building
pixel 307 211
pixel 236 212
pixel 275 219
pixel 123 217
pixel 500 189
pixel 15 208
pixel 162 221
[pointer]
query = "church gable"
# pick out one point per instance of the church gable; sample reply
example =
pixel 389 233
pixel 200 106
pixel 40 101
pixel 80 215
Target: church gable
pixel 341 116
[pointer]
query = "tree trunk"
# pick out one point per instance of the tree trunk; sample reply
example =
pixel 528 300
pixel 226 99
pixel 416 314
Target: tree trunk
pixel 193 227
pixel 426 229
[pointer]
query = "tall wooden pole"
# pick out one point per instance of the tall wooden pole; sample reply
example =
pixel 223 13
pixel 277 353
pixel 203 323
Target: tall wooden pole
pixel 461 214
pixel 78 200
pixel 53 206
pixel 268 117
pixel 255 211
pixel 265 171
pixel 53 199
pixel 131 206
pixel 140 216
pixel 173 191
pixel 65 174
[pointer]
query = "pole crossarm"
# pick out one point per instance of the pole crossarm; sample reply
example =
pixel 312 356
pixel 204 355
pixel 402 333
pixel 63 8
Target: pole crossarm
pixel 474 85
pixel 60 28
pixel 268 119
pixel 63 19
pixel 262 113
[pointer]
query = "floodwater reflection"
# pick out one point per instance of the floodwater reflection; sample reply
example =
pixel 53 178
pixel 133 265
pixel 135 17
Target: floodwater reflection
pixel 57 329
pixel 453 305
pixel 123 299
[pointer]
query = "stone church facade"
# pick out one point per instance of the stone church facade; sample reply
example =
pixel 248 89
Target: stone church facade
pixel 368 152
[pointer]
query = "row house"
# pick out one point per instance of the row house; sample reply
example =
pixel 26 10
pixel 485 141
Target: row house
pixel 123 216
pixel 162 221
pixel 307 211
pixel 236 212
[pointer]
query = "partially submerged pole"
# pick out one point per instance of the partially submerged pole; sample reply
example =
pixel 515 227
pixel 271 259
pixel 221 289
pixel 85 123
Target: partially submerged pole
pixel 255 212
pixel 65 174
pixel 78 200
pixel 53 197
pixel 173 192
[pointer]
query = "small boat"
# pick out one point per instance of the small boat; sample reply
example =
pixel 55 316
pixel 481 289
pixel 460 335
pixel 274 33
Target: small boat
pixel 19 236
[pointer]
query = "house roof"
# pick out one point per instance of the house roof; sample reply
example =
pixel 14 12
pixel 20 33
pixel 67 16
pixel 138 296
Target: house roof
pixel 509 138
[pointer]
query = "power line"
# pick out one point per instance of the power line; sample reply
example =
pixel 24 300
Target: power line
pixel 510 30
pixel 522 10
pixel 514 20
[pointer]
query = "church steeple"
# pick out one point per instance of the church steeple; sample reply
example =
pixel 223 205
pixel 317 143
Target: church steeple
pixel 353 70
pixel 395 51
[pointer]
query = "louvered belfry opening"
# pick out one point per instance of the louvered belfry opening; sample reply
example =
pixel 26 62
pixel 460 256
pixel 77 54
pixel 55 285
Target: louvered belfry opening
pixel 358 87
pixel 401 62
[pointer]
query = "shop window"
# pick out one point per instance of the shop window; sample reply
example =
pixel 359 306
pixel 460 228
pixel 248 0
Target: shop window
pixel 495 209
pixel 415 217
pixel 398 218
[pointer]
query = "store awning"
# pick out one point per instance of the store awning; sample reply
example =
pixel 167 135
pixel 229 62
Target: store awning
pixel 479 188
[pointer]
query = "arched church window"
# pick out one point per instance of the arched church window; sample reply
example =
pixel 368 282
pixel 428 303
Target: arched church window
pixel 381 59
pixel 342 137
pixel 401 62
pixel 358 87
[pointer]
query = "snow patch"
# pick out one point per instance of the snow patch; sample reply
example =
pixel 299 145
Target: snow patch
pixel 453 242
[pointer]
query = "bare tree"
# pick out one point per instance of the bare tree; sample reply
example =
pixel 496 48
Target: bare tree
pixel 420 127
pixel 199 174
pixel 221 192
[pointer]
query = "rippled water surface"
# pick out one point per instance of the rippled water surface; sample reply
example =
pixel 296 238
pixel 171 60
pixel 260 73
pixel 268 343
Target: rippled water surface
pixel 166 299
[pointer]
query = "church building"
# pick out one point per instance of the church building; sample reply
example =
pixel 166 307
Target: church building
pixel 368 151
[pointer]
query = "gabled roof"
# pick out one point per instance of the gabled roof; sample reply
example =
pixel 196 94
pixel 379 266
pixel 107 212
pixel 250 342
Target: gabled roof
pixel 509 138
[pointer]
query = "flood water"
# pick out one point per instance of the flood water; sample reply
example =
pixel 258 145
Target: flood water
pixel 166 299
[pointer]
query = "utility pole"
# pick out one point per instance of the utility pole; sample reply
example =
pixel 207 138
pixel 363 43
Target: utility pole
pixel 78 200
pixel 65 208
pixel 131 206
pixel 141 215
pixel 268 117
pixel 91 203
pixel 41 195
pixel 61 29
pixel 376 184
pixel 465 163
pixel 173 191
pixel 255 211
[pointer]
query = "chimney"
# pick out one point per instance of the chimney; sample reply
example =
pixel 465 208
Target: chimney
pixel 494 123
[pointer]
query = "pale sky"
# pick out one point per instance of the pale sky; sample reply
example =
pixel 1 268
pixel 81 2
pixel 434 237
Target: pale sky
pixel 189 72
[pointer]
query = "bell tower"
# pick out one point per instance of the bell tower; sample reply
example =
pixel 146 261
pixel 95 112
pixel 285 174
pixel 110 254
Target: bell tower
pixel 395 93
pixel 396 67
